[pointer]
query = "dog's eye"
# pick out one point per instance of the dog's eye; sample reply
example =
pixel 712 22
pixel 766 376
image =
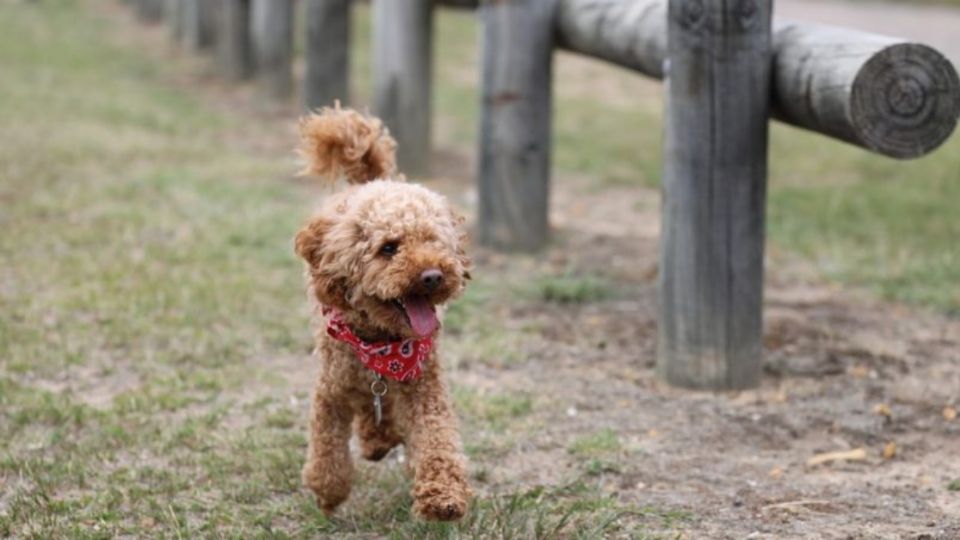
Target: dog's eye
pixel 389 249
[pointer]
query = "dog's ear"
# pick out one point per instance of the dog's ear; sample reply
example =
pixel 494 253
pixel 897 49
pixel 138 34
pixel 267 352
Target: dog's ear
pixel 311 245
pixel 309 241
pixel 463 242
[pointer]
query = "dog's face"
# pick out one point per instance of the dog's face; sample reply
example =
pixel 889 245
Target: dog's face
pixel 387 254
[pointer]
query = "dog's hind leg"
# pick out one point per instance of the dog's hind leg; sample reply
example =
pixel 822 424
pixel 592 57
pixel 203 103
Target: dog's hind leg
pixel 376 441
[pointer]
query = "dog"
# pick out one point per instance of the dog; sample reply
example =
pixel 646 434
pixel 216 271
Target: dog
pixel 382 258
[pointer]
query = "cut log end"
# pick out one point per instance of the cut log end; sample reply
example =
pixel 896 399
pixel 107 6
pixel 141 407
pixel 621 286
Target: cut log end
pixel 905 100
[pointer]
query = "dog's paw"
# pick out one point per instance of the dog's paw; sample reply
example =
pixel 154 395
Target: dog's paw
pixel 375 448
pixel 331 487
pixel 375 452
pixel 440 503
pixel 441 508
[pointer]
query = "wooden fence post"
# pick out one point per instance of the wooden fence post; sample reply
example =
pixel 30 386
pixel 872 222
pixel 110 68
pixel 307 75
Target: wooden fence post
pixel 272 31
pixel 328 53
pixel 234 56
pixel 514 169
pixel 199 23
pixel 150 11
pixel 402 75
pixel 714 193
pixel 173 17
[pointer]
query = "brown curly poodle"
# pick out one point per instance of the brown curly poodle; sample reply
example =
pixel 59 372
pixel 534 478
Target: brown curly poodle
pixel 382 258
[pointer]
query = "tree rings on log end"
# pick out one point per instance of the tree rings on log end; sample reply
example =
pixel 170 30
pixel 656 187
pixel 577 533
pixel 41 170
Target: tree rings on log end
pixel 905 100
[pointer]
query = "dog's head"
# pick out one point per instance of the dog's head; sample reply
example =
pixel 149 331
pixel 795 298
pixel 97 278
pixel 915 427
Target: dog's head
pixel 385 253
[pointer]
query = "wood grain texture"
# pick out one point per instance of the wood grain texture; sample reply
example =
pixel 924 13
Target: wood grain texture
pixel 515 142
pixel 891 96
pixel 327 52
pixel 272 34
pixel 234 52
pixel 402 77
pixel 714 192
pixel 627 33
pixel 884 94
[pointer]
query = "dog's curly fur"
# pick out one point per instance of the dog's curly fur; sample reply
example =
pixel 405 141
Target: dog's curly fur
pixel 347 270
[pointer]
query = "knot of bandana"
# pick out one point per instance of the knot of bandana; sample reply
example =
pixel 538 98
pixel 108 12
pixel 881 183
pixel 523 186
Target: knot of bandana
pixel 398 360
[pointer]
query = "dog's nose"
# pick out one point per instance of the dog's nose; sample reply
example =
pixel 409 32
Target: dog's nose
pixel 431 279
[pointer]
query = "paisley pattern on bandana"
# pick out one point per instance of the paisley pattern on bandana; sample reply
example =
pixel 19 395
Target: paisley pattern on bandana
pixel 398 360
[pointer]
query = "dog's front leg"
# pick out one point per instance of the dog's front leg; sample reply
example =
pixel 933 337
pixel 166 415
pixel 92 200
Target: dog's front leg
pixel 440 489
pixel 328 470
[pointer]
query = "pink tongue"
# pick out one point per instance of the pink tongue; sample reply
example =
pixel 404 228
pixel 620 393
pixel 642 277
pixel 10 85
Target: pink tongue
pixel 423 319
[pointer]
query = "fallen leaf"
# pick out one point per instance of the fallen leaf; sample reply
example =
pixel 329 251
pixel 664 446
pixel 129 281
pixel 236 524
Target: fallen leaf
pixel 802 506
pixel 776 472
pixel 856 454
pixel 883 410
pixel 860 371
pixel 949 414
pixel 890 450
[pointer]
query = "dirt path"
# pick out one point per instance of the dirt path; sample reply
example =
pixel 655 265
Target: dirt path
pixel 936 26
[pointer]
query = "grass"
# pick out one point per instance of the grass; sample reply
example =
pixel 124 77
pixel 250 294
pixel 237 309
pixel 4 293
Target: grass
pixel 151 308
pixel 567 289
pixel 597 444
pixel 153 295
pixel 493 411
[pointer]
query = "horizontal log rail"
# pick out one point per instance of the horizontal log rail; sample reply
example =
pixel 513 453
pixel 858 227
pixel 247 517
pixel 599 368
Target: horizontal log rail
pixel 888 95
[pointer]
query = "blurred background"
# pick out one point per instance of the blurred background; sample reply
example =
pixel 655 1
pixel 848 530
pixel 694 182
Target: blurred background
pixel 155 335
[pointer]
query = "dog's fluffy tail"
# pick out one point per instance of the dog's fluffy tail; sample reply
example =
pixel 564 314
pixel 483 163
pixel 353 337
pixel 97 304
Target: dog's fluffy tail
pixel 342 143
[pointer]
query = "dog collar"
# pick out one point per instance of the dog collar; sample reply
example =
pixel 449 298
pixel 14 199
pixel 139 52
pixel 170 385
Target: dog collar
pixel 398 360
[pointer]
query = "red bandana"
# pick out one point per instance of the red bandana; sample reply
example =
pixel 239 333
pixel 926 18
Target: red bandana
pixel 398 360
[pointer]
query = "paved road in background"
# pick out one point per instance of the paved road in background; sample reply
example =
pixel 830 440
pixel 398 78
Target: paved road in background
pixel 936 26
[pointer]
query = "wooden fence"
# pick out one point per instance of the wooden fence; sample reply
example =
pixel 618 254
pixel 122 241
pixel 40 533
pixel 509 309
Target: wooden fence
pixel 729 67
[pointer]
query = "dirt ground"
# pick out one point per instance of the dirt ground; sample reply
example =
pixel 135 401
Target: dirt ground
pixel 842 372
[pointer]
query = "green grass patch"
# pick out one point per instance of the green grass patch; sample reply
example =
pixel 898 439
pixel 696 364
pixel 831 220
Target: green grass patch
pixel 493 411
pixel 601 443
pixel 870 220
pixel 568 289
pixel 574 510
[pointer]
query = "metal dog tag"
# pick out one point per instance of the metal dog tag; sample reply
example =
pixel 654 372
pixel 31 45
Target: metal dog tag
pixel 378 388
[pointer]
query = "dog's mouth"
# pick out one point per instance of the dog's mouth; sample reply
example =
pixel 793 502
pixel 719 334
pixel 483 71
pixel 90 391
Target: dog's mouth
pixel 420 313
